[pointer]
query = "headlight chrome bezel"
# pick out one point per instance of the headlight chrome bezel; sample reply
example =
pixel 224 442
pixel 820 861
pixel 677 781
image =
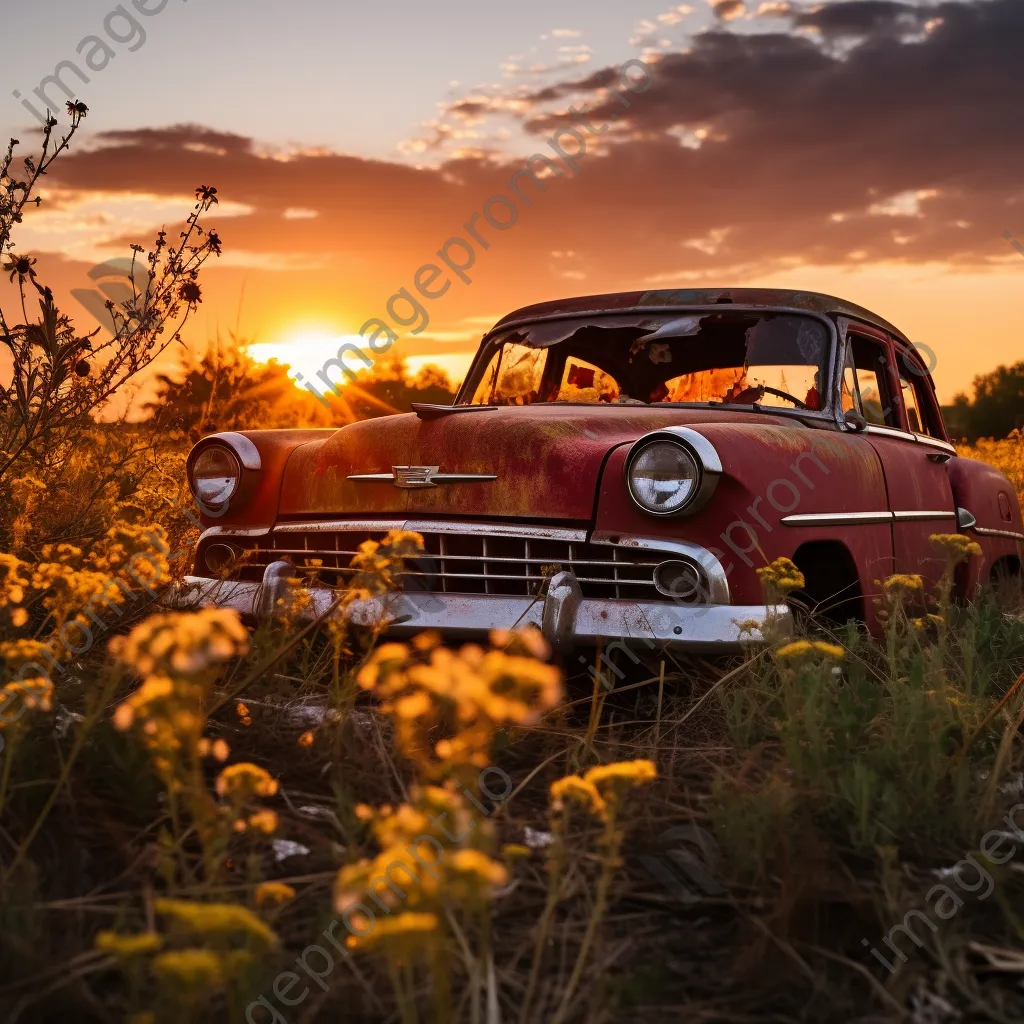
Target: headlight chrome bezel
pixel 698 449
pixel 246 458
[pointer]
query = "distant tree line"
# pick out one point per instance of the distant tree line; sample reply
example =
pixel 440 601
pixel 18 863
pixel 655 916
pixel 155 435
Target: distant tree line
pixel 226 389
pixel 996 409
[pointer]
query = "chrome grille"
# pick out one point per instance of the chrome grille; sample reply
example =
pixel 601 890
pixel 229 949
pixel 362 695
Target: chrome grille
pixel 458 562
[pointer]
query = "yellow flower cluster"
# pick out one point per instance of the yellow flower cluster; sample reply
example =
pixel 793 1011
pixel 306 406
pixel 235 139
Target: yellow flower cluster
pixel 192 969
pixel 1007 455
pixel 183 643
pixel 378 565
pixel 273 894
pixel 169 714
pixel 229 933
pixel 27 494
pixel 69 591
pixel 447 706
pixel 123 542
pixel 404 932
pixel 601 789
pixel 418 875
pixel 781 577
pixel 957 546
pixel 216 920
pixel 12 588
pixel 802 648
pixel 901 582
pixel 128 946
pixel 242 785
pixel 245 781
pixel 33 692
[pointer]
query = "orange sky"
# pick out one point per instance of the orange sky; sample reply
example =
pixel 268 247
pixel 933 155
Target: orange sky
pixel 868 150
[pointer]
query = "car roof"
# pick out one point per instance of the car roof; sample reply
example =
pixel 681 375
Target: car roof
pixel 682 298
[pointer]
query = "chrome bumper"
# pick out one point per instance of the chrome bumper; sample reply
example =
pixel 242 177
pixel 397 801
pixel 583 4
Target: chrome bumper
pixel 563 615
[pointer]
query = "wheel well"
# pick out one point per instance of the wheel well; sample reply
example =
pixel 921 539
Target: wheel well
pixel 832 584
pixel 1006 568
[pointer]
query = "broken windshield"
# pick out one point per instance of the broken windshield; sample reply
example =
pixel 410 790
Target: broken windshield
pixel 774 360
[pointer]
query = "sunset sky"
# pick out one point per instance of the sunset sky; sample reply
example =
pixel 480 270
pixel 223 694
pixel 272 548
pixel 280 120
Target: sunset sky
pixel 866 148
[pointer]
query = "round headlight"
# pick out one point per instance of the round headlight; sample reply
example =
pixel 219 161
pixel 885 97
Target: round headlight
pixel 663 478
pixel 216 474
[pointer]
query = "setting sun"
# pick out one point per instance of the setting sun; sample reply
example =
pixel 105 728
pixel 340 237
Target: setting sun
pixel 305 352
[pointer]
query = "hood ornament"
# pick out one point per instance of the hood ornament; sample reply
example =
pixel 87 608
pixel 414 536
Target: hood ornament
pixel 415 477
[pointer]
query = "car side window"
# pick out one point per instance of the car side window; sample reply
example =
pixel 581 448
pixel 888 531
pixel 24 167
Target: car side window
pixel 910 403
pixel 916 399
pixel 866 382
pixel 850 392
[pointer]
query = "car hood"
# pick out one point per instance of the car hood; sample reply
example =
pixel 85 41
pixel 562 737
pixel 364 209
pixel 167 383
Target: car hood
pixel 546 460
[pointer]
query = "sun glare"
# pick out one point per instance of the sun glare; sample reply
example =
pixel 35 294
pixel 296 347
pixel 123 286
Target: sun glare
pixel 305 352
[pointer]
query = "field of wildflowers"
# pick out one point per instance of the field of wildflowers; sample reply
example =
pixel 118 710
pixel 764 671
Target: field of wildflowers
pixel 302 822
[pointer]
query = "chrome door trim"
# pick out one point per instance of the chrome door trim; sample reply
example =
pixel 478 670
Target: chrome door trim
pixel 923 515
pixel 944 445
pixel 837 518
pixel 901 435
pixel 986 531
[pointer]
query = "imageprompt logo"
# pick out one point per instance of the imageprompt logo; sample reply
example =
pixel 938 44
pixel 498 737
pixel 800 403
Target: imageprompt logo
pixel 687 864
pixel 113 284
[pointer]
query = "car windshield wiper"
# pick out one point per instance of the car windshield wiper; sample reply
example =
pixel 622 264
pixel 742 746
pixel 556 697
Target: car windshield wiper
pixel 426 411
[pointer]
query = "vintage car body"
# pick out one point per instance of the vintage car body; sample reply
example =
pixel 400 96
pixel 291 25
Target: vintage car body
pixel 501 491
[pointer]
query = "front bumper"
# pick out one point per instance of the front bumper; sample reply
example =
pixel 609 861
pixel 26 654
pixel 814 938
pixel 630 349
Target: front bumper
pixel 564 616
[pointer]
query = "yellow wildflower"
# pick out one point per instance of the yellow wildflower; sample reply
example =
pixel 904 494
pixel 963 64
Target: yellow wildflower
pixel 33 692
pixel 407 928
pixel 183 642
pixel 273 893
pixel 306 739
pixel 782 576
pixel 902 581
pixel 190 968
pixel 264 821
pixel 799 648
pixel 479 867
pixel 12 580
pixel 220 919
pixel 529 641
pixel 245 780
pixel 957 546
pixel 611 778
pixel 573 788
pixel 128 945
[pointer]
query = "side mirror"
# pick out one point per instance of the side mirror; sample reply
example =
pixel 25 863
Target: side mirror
pixel 855 421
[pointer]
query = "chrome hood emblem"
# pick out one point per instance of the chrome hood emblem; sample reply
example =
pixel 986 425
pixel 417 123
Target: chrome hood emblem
pixel 412 477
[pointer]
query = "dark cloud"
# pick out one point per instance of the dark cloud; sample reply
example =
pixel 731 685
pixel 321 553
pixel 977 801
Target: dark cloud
pixel 881 18
pixel 795 147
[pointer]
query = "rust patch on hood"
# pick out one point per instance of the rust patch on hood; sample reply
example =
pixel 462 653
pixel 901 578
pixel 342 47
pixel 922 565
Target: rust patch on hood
pixel 547 460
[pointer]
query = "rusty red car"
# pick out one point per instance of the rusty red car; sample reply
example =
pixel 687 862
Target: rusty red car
pixel 619 466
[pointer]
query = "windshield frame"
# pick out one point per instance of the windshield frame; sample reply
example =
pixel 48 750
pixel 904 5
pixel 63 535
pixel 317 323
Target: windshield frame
pixel 493 338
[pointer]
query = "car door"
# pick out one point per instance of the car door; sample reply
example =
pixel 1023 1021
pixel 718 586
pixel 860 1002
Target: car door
pixel 884 381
